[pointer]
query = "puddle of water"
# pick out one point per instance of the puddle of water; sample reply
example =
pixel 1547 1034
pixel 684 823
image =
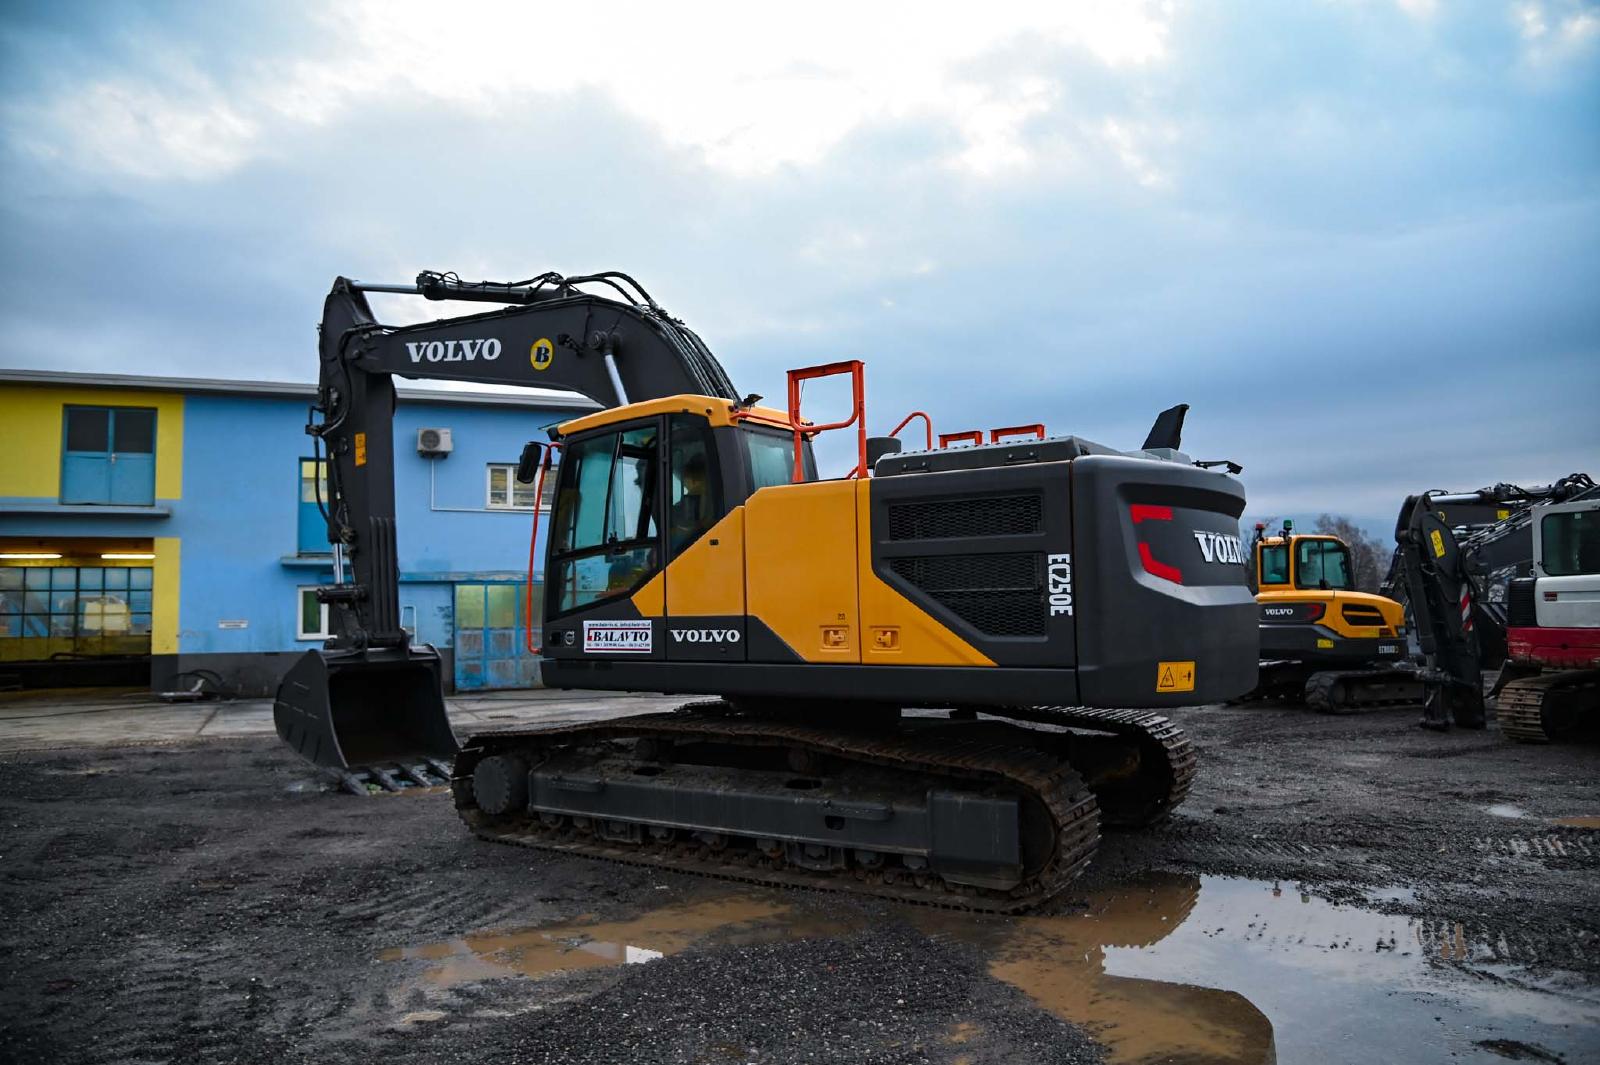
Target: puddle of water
pixel 1579 822
pixel 1226 970
pixel 585 944
pixel 1060 962
pixel 1170 968
pixel 1505 809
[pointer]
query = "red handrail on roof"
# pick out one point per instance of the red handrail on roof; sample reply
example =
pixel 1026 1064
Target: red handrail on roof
pixel 927 421
pixel 858 416
pixel 1035 430
pixel 974 436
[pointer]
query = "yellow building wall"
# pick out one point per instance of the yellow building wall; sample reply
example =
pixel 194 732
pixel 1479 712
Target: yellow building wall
pixel 164 597
pixel 31 436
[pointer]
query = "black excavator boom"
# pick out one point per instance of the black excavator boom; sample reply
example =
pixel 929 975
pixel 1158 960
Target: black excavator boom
pixel 371 701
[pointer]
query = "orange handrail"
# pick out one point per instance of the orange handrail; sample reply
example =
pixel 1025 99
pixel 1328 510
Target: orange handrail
pixel 1035 430
pixel 973 435
pixel 533 547
pixel 927 421
pixel 858 415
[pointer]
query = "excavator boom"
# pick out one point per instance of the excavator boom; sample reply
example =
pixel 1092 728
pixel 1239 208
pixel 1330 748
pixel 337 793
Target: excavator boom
pixel 370 696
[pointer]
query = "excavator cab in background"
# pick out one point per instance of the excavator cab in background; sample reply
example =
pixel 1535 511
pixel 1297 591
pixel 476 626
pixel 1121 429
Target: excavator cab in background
pixel 1323 642
pixel 936 676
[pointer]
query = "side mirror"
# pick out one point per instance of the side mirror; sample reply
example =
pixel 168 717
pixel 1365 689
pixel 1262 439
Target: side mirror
pixel 528 464
pixel 879 446
pixel 1323 584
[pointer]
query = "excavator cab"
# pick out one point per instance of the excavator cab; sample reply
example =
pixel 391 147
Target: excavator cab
pixel 1322 641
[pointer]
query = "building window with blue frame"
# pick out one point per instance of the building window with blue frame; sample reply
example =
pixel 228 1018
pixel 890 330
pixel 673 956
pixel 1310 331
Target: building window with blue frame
pixel 109 456
pixel 313 528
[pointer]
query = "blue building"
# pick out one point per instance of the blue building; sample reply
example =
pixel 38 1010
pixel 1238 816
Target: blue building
pixel 171 525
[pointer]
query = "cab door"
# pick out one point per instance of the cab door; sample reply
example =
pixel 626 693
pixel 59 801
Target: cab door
pixel 606 545
pixel 705 595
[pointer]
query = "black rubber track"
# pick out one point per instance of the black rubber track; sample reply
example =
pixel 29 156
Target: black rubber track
pixel 984 759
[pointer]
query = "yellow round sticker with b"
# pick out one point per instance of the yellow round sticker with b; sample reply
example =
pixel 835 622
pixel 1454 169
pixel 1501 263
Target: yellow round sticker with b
pixel 542 354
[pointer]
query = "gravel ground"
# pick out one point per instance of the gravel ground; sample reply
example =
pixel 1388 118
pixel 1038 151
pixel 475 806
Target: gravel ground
pixel 200 903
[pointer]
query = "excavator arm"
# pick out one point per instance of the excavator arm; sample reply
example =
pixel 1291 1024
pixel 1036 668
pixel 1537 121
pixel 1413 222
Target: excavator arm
pixel 368 696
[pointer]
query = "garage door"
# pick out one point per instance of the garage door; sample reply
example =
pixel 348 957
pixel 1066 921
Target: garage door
pixel 491 636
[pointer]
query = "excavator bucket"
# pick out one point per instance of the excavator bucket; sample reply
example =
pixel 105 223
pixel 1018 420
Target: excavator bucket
pixel 379 710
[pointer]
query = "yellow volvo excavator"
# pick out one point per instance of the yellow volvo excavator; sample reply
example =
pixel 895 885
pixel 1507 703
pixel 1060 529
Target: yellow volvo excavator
pixel 1323 642
pixel 933 679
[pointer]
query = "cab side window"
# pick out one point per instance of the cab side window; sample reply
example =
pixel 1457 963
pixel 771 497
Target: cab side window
pixel 694 502
pixel 607 540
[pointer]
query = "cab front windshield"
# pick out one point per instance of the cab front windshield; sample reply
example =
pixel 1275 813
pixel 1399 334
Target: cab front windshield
pixel 1322 564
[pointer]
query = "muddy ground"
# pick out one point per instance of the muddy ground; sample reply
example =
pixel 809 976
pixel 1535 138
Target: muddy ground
pixel 1335 889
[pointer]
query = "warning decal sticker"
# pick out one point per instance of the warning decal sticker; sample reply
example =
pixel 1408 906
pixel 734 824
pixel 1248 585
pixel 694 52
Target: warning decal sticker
pixel 1175 676
pixel 618 637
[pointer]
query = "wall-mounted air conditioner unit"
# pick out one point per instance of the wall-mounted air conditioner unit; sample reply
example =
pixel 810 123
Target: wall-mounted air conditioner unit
pixel 434 442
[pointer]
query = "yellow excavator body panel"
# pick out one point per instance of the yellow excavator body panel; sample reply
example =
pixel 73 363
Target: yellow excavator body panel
pixel 802 554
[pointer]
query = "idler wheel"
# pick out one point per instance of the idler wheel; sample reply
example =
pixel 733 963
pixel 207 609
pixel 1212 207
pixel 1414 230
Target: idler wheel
pixel 500 784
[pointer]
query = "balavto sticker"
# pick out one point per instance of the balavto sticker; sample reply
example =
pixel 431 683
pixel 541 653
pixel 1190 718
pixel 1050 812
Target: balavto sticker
pixel 618 637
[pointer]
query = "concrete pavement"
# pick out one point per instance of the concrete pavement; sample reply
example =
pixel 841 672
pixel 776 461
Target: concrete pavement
pixel 99 717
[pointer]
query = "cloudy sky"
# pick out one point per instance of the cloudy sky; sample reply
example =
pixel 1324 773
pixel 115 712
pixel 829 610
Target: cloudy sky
pixel 1362 239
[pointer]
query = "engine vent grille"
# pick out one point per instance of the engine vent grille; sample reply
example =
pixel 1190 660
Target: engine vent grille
pixel 999 595
pixel 945 519
pixel 1362 615
pixel 1522 610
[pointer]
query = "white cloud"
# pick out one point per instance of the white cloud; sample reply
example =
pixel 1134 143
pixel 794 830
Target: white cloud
pixel 752 88
pixel 1556 31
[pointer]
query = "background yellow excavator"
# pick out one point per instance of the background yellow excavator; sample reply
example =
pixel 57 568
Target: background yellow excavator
pixel 1322 641
pixel 933 675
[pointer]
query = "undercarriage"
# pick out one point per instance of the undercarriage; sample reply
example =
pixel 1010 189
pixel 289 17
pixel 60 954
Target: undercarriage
pixel 1337 691
pixel 1551 706
pixel 956 810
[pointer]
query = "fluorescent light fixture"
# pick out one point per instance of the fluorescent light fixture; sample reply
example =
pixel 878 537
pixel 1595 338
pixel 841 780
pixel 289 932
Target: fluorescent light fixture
pixel 29 556
pixel 126 556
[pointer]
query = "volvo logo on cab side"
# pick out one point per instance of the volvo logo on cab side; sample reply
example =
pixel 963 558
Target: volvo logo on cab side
pixel 1219 547
pixel 705 635
pixel 453 350
pixel 1060 573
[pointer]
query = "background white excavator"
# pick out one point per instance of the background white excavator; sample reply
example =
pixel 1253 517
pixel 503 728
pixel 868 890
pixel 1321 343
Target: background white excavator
pixel 1520 593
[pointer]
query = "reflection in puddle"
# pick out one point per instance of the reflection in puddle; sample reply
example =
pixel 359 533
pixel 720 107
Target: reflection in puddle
pixel 1060 962
pixel 1505 809
pixel 1579 822
pixel 1169 968
pixel 579 945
